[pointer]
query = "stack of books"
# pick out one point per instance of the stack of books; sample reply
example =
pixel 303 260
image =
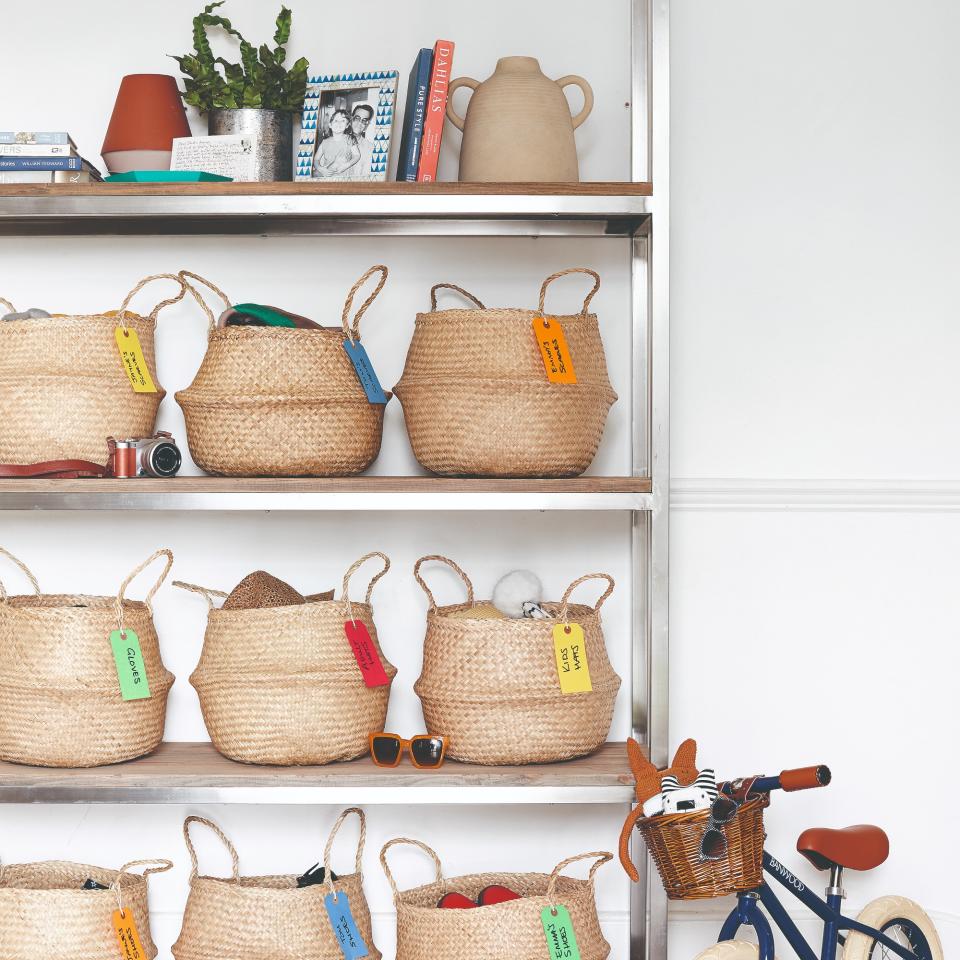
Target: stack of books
pixel 45 157
pixel 423 118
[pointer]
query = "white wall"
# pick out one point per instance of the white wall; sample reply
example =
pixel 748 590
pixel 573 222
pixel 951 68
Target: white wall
pixel 814 340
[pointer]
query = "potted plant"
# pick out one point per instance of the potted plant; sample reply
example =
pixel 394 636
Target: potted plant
pixel 258 95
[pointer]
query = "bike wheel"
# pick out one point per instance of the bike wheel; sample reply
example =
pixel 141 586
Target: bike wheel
pixel 730 950
pixel 903 921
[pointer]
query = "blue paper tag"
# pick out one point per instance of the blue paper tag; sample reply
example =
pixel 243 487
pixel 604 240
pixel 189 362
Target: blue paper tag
pixel 344 926
pixel 365 374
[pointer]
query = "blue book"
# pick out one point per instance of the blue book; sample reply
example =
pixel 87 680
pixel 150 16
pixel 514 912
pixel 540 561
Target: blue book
pixel 44 137
pixel 41 163
pixel 411 138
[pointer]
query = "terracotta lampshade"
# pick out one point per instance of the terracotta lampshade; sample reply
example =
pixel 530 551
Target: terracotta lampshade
pixel 147 115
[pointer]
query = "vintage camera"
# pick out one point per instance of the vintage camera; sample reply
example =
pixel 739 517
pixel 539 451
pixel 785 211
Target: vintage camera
pixel 156 456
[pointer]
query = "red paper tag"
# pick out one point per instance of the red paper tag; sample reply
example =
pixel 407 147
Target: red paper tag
pixel 366 653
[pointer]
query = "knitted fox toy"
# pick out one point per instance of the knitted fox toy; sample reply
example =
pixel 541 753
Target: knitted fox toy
pixel 648 777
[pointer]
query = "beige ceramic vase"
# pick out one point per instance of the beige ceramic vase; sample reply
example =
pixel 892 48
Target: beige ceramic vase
pixel 518 127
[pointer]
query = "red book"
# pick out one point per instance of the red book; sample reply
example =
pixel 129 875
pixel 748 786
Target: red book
pixel 436 111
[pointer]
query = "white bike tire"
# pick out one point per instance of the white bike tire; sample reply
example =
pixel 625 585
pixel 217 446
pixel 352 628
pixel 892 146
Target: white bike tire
pixel 878 913
pixel 730 950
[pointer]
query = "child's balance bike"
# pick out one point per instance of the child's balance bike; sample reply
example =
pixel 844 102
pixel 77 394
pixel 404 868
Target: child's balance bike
pixel 887 928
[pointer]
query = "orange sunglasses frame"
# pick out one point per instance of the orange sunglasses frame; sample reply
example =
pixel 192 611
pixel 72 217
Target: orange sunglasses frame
pixel 406 745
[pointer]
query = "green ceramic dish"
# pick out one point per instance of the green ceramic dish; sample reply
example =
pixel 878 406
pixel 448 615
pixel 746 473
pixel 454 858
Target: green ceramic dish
pixel 166 176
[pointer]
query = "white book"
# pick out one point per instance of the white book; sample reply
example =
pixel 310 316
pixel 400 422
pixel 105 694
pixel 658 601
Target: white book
pixel 36 150
pixel 44 176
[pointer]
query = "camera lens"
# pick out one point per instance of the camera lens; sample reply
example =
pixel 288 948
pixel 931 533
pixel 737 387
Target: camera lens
pixel 162 460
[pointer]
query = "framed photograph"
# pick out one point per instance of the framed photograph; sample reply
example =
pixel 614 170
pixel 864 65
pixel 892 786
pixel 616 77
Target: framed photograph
pixel 347 124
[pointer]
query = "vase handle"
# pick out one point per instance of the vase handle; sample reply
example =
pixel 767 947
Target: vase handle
pixel 452 114
pixel 587 96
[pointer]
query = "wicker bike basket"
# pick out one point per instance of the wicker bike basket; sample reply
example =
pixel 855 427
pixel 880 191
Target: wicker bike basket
pixel 269 918
pixel 673 840
pixel 477 400
pixel 492 687
pixel 282 402
pixel 505 931
pixel 63 387
pixel 60 701
pixel 281 685
pixel 44 910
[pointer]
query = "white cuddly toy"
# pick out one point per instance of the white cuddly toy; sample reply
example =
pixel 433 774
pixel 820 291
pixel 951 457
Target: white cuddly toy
pixel 673 798
pixel 518 595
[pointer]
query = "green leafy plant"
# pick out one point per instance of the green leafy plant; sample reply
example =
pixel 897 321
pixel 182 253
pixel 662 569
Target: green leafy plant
pixel 258 80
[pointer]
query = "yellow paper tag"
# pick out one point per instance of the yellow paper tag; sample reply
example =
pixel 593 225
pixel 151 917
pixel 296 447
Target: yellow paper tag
pixel 554 350
pixel 126 929
pixel 134 362
pixel 571 651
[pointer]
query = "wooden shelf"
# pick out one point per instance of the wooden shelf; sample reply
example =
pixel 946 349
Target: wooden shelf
pixel 335 493
pixel 196 773
pixel 309 208
pixel 320 189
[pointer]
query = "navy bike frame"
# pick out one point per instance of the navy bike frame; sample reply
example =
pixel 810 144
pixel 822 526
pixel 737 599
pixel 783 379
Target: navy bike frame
pixel 748 912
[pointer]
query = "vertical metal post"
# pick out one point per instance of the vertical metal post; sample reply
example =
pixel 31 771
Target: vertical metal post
pixel 651 452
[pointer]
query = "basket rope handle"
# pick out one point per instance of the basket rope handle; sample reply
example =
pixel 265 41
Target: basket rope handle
pixel 195 866
pixel 449 563
pixel 415 843
pixel 352 333
pixel 10 307
pixel 358 869
pixel 611 583
pixel 206 592
pixel 164 866
pixel 353 568
pixel 24 568
pixel 602 857
pixel 118 603
pixel 563 273
pixel 195 293
pixel 451 286
pixel 122 312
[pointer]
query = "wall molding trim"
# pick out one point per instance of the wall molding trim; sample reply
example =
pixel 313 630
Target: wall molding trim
pixel 871 496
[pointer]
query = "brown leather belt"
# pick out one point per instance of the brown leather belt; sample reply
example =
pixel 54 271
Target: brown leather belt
pixel 53 469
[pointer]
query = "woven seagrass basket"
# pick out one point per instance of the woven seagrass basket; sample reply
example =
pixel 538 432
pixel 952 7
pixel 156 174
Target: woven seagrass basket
pixel 60 702
pixel 63 388
pixel 44 912
pixel 477 400
pixel 280 402
pixel 504 931
pixel 269 918
pixel 281 685
pixel 673 840
pixel 491 686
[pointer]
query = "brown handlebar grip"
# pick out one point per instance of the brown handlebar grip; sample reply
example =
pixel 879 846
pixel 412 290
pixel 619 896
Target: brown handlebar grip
pixel 805 778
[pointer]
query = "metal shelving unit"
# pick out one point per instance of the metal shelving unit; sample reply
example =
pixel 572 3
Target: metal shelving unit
pixel 633 213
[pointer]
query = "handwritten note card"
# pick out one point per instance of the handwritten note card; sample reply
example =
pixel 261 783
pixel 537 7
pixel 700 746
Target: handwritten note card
pixel 228 156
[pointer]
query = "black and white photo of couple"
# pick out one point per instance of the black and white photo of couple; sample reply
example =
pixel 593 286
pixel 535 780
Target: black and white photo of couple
pixel 345 132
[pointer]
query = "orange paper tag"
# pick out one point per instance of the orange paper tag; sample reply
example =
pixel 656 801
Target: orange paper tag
pixel 554 350
pixel 134 362
pixel 126 929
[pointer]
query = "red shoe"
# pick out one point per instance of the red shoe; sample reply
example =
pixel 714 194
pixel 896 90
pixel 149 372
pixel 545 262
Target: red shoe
pixel 496 894
pixel 456 901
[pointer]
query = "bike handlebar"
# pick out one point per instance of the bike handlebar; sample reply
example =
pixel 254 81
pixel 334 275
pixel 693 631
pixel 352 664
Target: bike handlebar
pixel 805 778
pixel 802 778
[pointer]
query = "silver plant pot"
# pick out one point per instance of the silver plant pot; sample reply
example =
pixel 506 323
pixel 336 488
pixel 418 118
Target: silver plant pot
pixel 274 132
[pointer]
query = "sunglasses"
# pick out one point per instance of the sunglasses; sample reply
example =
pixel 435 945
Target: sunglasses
pixel 426 752
pixel 713 844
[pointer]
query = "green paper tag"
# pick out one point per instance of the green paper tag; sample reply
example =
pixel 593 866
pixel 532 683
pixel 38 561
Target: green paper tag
pixel 558 928
pixel 130 669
